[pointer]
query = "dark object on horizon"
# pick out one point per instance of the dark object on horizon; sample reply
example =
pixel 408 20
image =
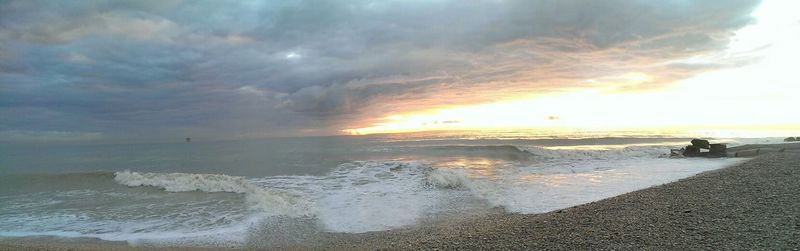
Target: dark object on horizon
pixel 790 139
pixel 188 140
pixel 701 143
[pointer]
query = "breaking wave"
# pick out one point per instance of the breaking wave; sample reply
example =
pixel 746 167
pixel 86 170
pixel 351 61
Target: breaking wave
pixel 525 153
pixel 480 148
pixel 265 199
pixel 448 178
pixel 506 152
pixel 612 153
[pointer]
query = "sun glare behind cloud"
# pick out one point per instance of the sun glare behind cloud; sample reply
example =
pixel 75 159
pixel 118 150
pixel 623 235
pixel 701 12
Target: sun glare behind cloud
pixel 757 95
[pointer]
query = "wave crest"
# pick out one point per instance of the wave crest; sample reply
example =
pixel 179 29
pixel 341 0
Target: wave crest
pixel 448 178
pixel 533 152
pixel 508 152
pixel 614 153
pixel 260 198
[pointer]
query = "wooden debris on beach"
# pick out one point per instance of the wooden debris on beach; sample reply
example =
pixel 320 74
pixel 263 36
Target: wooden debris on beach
pixel 701 143
pixel 721 150
pixel 691 150
pixel 694 150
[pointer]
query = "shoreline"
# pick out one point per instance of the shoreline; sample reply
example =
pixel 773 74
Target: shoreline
pixel 751 205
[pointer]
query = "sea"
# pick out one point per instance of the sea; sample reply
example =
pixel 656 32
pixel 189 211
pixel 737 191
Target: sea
pixel 236 193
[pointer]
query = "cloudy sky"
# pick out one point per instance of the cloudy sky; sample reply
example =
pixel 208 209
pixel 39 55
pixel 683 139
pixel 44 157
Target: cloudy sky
pixel 161 69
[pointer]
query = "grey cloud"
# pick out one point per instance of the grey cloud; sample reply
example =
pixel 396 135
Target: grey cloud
pixel 166 66
pixel 347 98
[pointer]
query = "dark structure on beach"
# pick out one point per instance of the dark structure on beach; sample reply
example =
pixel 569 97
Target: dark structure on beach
pixel 696 149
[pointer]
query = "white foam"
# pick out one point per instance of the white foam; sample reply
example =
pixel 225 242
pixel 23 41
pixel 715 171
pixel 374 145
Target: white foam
pixel 223 237
pixel 448 178
pixel 66 234
pixel 363 196
pixel 598 152
pixel 266 199
pixel 372 195
pixel 529 190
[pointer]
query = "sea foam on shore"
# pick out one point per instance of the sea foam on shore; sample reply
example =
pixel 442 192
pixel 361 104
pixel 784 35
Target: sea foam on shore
pixel 396 187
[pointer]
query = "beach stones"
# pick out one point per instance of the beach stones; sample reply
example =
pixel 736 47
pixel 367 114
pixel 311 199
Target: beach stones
pixel 757 151
pixel 748 153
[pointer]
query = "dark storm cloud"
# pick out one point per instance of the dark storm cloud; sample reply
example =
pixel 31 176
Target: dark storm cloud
pixel 285 67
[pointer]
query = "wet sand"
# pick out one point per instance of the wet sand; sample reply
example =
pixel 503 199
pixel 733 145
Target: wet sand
pixel 754 205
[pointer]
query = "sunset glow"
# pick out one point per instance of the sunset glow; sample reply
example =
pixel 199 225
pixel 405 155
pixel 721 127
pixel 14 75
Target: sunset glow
pixel 113 72
pixel 759 94
pixel 399 124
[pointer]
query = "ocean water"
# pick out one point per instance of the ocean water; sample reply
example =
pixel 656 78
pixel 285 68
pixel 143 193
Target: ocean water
pixel 237 193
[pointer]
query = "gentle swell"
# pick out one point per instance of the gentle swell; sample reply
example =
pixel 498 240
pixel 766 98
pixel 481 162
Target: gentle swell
pixel 493 151
pixel 522 153
pixel 489 148
pixel 264 199
pixel 616 153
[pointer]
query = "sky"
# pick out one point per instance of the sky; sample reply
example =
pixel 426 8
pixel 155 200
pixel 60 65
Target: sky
pixel 153 70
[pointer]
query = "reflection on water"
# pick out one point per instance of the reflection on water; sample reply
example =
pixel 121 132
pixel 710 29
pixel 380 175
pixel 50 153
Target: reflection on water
pixel 482 167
